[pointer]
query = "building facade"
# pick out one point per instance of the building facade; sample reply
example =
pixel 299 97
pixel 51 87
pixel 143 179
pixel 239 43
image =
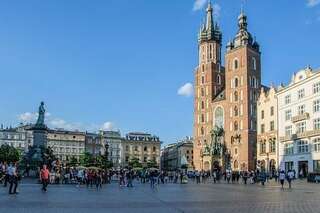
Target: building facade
pixel 267 142
pixel 227 96
pixel 172 155
pixel 299 123
pixel 142 146
pixel 95 144
pixel 66 144
pixel 114 141
pixel 19 137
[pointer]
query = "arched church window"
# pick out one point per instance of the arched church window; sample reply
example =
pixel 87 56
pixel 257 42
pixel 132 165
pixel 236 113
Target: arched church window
pixel 202 131
pixel 236 111
pixel 219 117
pixel 202 92
pixel 254 63
pixel 202 104
pixel 236 96
pixel 218 79
pixel 235 164
pixel 236 126
pixel 236 82
pixel 202 79
pixel 235 64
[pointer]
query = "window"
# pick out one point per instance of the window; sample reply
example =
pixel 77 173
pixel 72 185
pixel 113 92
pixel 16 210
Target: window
pixel 202 104
pixel 316 165
pixel 127 158
pixel 202 92
pixel 271 111
pixel 202 131
pixel 254 63
pixel 316 145
pixel 235 64
pixel 301 94
pixel 262 114
pixel 288 115
pixel 316 88
pixel 236 82
pixel 272 146
pixel 235 126
pixel 202 79
pixel 288 131
pixel 301 127
pixel 303 146
pixel 236 96
pixel 301 109
pixel 316 106
pixel 263 147
pixel 262 128
pixel 288 148
pixel 202 118
pixel 271 125
pixel 287 99
pixel 236 111
pixel 316 124
pixel 145 149
pixel 218 79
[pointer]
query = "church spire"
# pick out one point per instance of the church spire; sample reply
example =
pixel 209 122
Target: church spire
pixel 210 26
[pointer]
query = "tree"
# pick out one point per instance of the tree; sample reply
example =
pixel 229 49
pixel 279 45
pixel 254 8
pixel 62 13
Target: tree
pixel 135 163
pixel 152 164
pixel 47 155
pixel 86 159
pixel 9 153
pixel 73 161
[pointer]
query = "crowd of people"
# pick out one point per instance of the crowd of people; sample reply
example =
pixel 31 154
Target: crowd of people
pixel 93 177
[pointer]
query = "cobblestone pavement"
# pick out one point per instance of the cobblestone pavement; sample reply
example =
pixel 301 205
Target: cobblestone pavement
pixel 304 197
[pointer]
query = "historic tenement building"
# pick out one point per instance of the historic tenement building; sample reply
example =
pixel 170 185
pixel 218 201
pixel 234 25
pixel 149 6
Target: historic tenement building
pixel 66 144
pixel 95 143
pixel 299 123
pixel 173 155
pixel 226 96
pixel 267 144
pixel 141 146
pixel 114 141
pixel 19 137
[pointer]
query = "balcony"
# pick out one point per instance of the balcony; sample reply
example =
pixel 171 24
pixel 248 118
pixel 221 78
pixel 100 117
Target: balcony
pixel 302 117
pixel 305 134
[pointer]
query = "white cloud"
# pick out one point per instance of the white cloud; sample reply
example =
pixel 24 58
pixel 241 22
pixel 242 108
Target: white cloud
pixel 312 3
pixel 199 4
pixel 58 123
pixel 186 90
pixel 27 117
pixel 107 126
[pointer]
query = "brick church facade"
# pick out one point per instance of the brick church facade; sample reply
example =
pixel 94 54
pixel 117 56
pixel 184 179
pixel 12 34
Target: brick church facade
pixel 226 96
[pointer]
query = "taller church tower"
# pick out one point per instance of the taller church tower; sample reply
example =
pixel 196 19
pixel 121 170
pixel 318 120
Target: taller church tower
pixel 209 82
pixel 243 82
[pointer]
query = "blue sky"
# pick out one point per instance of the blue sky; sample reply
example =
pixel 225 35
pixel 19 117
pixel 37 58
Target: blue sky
pixel 119 63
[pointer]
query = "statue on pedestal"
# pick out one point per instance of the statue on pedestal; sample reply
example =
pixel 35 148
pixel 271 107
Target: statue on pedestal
pixel 41 116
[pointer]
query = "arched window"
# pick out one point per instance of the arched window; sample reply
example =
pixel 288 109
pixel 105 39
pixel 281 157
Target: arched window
pixel 235 164
pixel 202 79
pixel 254 63
pixel 202 131
pixel 236 82
pixel 236 96
pixel 236 126
pixel 218 117
pixel 218 79
pixel 235 64
pixel 202 92
pixel 202 118
pixel 236 111
pixel 145 149
pixel 202 104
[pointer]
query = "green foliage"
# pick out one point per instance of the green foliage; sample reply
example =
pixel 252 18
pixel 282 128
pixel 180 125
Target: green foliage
pixel 47 155
pixel 73 161
pixel 9 153
pixel 152 164
pixel 135 163
pixel 86 159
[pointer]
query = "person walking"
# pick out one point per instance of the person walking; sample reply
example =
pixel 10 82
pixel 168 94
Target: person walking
pixel 290 177
pixel 44 177
pixel 282 177
pixel 13 178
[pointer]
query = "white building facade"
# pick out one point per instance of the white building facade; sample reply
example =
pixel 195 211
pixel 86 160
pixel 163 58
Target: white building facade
pixel 19 137
pixel 299 123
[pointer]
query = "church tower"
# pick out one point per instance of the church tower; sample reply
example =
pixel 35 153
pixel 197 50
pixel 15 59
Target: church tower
pixel 209 82
pixel 243 82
